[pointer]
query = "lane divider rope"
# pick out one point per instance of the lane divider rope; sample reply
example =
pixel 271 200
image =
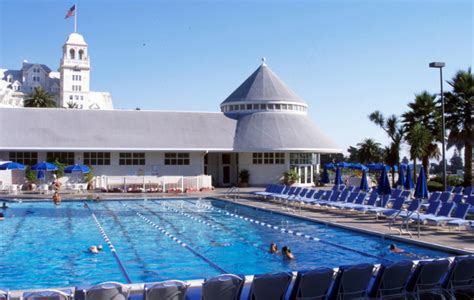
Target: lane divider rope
pixel 109 243
pixel 175 239
pixel 288 231
pixel 214 226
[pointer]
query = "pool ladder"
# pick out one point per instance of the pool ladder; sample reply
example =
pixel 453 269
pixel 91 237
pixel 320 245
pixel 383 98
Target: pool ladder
pixel 233 193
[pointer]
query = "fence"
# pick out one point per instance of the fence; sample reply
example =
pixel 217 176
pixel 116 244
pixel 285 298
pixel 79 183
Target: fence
pixel 153 183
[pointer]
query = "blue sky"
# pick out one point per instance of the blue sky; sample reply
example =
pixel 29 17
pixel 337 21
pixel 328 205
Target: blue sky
pixel 344 58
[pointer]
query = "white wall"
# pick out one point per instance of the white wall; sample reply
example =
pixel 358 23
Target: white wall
pixel 263 174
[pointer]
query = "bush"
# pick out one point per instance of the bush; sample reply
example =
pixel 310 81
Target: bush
pixel 290 177
pixel 434 186
pixel 452 180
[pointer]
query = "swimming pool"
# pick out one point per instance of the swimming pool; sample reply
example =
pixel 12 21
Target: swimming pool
pixel 45 246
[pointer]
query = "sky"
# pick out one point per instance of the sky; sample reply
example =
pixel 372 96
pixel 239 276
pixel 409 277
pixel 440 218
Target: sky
pixel 344 58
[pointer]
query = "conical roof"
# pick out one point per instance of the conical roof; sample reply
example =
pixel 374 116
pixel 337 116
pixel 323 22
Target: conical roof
pixel 262 86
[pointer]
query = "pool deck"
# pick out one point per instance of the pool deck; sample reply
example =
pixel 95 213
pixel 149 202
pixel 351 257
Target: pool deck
pixel 454 240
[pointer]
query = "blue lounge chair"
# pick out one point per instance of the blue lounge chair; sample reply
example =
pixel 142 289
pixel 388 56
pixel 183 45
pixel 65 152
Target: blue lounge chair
pixel 433 197
pixel 459 282
pixel 319 194
pixel 270 286
pixel 352 197
pixel 271 190
pixel 459 214
pixel 106 291
pixel 396 207
pixel 351 282
pixel 308 196
pixel 458 199
pixel 406 214
pixel 4 294
pixel 223 287
pixel 313 284
pixel 166 290
pixel 49 294
pixel 457 190
pixel 445 197
pixel 444 211
pixel 426 278
pixel 359 200
pixel 390 280
pixel 468 191
pixel 371 202
pixel 333 198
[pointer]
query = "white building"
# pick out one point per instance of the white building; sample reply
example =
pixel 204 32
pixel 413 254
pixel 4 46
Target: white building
pixel 262 127
pixel 69 86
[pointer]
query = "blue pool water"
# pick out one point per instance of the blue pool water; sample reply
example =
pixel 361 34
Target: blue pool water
pixel 45 246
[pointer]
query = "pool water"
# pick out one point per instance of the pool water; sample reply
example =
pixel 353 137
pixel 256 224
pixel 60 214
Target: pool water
pixel 46 246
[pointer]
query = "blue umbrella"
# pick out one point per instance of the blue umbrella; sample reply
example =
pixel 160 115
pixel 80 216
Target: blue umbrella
pixel 77 169
pixel 384 184
pixel 338 179
pixel 401 176
pixel 364 185
pixel 12 166
pixel 329 166
pixel 377 167
pixel 344 165
pixel 359 167
pixel 421 190
pixel 40 175
pixel 409 180
pixel 44 166
pixel 325 177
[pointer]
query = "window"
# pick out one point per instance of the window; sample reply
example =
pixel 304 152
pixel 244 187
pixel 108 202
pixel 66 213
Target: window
pixel 303 158
pixel 36 78
pixel 249 106
pixel 263 106
pixel 97 158
pixel 26 158
pixel 172 158
pixel 70 97
pixel 270 106
pixel 242 107
pixel 76 88
pixel 63 157
pixel 9 78
pixel 72 54
pixel 81 54
pixel 131 158
pixel 277 106
pixel 268 158
pixel 76 77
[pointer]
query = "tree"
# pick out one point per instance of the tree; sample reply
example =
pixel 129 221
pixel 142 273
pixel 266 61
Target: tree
pixel 455 162
pixel 39 98
pixel 418 138
pixel 369 151
pixel 394 131
pixel 353 154
pixel 426 111
pixel 459 105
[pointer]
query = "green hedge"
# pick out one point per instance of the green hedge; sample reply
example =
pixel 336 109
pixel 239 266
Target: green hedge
pixel 434 186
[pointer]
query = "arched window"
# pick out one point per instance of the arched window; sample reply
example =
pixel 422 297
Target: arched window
pixel 81 54
pixel 10 78
pixel 72 54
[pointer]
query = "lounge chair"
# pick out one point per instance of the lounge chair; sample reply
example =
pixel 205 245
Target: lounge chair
pixel 445 196
pixel 457 190
pixel 270 286
pixel 352 197
pixel 426 278
pixel 4 294
pixel 359 200
pixel 468 191
pixel 333 198
pixel 371 202
pixel 49 294
pixel 107 291
pixel 223 287
pixel 458 199
pixel 166 290
pixel 444 211
pixel 433 197
pixel 351 282
pixel 396 207
pixel 459 282
pixel 459 214
pixel 390 280
pixel 313 284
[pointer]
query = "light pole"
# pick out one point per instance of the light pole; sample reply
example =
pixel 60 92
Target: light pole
pixel 440 66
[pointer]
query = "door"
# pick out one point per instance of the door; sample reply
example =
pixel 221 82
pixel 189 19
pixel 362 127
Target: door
pixel 226 161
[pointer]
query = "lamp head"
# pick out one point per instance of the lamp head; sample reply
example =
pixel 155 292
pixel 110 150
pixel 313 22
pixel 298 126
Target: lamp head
pixel 437 64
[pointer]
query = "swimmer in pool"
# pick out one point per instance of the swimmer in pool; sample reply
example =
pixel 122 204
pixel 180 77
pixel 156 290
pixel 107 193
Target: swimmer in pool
pixel 394 249
pixel 287 253
pixel 2 216
pixel 93 249
pixel 273 248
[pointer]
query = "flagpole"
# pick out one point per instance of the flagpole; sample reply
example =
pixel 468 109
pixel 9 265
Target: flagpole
pixel 75 18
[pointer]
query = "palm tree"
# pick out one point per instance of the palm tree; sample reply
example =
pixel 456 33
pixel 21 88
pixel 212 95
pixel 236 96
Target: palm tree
pixel 369 151
pixel 418 138
pixel 459 105
pixel 39 98
pixel 395 132
pixel 426 111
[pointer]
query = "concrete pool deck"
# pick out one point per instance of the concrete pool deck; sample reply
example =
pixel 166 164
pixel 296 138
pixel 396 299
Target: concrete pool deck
pixel 454 240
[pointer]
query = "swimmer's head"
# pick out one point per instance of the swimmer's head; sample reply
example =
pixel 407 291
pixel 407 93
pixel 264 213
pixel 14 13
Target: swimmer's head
pixel 100 248
pixel 392 246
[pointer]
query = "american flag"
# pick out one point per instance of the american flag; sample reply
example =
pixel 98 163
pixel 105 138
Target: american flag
pixel 71 12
